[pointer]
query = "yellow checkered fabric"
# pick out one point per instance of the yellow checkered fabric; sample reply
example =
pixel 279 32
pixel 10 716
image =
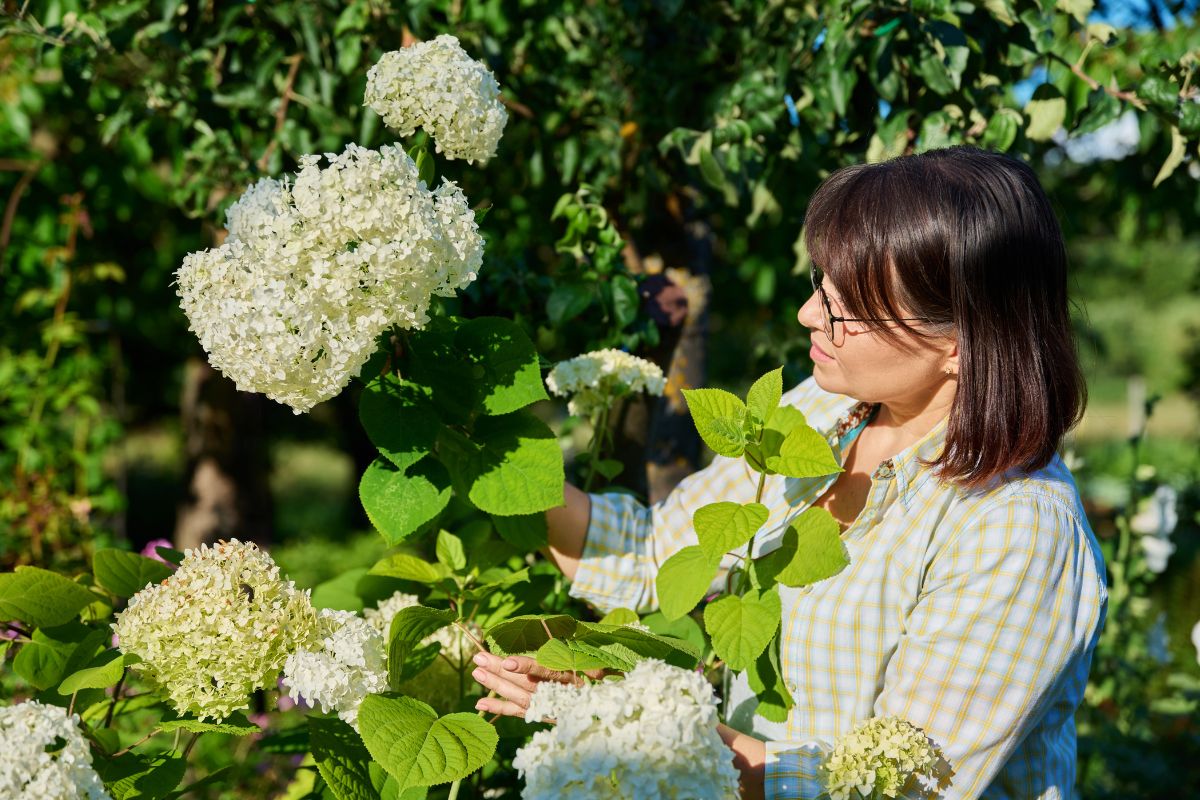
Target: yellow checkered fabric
pixel 971 614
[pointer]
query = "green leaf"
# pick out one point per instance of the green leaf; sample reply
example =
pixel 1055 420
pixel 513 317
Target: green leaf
pixel 527 633
pixel 764 395
pixel 1046 110
pixel 1002 129
pixel 235 724
pixel 625 300
pixel 409 740
pixel 450 551
pixel 1102 108
pixel 511 376
pixel 42 598
pixel 340 593
pixel 1159 92
pixel 526 532
pixel 710 168
pixel 343 761
pixel 437 364
pixel 519 466
pixel 53 653
pixel 817 551
pixel 720 419
pixel 1079 9
pixel 791 447
pixel 567 656
pixel 1174 158
pixel 98 677
pixel 684 628
pixel 683 580
pixel 399 503
pixel 619 616
pixel 131 775
pixel 410 627
pixel 124 573
pixel 630 645
pixel 766 681
pixel 722 527
pixel 410 568
pixel 568 301
pixel 399 421
pixel 1002 10
pixel 742 627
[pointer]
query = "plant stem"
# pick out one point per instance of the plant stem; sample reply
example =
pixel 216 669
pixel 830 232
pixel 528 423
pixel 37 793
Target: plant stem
pixel 108 718
pixel 599 430
pixel 191 743
pixel 454 790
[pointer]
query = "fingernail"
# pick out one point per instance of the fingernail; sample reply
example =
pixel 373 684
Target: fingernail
pixel 480 659
pixel 480 706
pixel 509 663
pixel 478 675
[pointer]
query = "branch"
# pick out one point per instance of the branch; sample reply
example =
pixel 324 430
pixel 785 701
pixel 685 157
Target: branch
pixel 1128 97
pixel 281 114
pixel 14 199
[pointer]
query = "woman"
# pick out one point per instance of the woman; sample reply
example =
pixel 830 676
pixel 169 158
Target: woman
pixel 945 376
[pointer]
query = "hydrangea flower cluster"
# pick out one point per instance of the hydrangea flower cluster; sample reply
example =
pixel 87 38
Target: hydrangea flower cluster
pixel 884 757
pixel 222 626
pixel 314 270
pixel 651 734
pixel 1155 521
pixel 593 379
pixel 44 755
pixel 436 86
pixel 441 684
pixel 349 664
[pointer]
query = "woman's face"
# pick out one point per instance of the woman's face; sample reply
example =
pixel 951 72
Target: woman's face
pixel 862 364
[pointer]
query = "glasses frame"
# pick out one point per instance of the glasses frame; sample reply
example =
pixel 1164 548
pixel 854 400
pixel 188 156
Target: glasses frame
pixel 818 277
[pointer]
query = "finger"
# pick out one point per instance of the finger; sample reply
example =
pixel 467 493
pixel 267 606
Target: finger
pixel 495 705
pixel 503 687
pixel 493 664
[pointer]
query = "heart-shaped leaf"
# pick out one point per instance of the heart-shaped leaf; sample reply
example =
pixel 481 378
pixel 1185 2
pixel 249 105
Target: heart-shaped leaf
pixel 722 527
pixel 683 580
pixel 742 627
pixel 417 747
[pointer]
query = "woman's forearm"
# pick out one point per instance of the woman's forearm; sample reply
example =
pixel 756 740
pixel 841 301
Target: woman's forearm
pixel 750 757
pixel 566 528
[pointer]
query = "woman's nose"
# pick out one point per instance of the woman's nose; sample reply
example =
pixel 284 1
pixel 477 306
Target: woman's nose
pixel 809 314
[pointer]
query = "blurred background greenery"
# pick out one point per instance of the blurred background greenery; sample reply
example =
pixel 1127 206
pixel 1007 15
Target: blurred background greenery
pixel 657 152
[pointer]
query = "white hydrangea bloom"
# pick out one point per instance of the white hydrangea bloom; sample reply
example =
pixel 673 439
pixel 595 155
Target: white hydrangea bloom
pixel 349 664
pixel 443 683
pixel 43 755
pixel 1158 515
pixel 884 757
pixel 592 379
pixel 1196 640
pixel 651 734
pixel 315 269
pixel 435 85
pixel 222 626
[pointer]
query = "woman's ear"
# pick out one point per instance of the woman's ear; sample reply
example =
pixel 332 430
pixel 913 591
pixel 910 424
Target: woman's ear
pixel 950 364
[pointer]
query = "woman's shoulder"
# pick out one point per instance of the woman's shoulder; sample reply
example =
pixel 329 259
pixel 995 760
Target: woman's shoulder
pixel 821 409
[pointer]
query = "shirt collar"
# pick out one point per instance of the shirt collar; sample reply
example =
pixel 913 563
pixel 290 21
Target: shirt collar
pixel 906 466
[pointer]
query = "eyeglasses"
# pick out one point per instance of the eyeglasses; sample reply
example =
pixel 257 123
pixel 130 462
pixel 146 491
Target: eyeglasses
pixel 818 277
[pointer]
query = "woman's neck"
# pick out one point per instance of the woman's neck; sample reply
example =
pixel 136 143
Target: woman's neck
pixel 899 424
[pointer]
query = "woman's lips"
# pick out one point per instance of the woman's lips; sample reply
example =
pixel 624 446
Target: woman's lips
pixel 818 355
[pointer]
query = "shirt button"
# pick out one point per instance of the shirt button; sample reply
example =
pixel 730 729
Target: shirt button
pixel 885 471
pixel 791 686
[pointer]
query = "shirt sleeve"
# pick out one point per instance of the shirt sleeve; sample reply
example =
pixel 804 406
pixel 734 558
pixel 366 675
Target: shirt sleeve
pixel 1000 637
pixel 628 542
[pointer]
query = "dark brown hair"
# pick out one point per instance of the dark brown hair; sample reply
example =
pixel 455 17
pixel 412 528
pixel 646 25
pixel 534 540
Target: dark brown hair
pixel 965 239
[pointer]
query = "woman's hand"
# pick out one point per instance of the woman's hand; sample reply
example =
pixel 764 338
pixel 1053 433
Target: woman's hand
pixel 514 678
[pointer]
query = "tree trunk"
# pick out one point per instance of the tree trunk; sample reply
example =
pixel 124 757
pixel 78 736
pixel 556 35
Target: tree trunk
pixel 227 474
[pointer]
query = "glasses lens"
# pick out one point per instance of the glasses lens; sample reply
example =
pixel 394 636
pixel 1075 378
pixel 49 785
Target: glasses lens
pixel 818 277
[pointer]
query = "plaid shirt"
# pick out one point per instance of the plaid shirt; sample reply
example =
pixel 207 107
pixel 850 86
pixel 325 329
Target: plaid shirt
pixel 971 614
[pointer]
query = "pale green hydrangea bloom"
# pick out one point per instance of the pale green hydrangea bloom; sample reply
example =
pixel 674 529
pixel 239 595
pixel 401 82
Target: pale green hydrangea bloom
pixel 43 755
pixel 221 627
pixel 652 733
pixel 593 379
pixel 436 86
pixel 884 757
